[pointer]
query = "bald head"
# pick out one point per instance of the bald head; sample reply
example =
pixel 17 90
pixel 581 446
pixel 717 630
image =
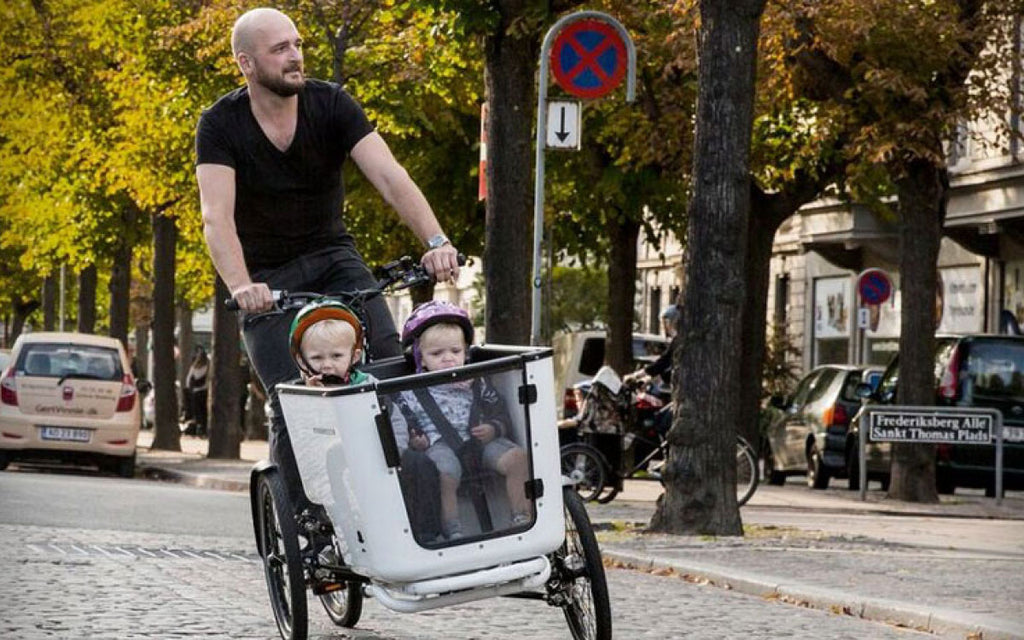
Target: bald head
pixel 248 28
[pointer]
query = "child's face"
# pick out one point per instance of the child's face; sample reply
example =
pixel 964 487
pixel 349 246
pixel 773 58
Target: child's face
pixel 442 347
pixel 326 356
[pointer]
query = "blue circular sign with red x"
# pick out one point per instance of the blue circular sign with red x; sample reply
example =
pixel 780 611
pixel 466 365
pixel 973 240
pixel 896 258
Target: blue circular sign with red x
pixel 588 58
pixel 875 286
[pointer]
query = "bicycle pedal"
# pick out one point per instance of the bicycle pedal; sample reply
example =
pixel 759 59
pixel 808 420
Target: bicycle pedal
pixel 322 588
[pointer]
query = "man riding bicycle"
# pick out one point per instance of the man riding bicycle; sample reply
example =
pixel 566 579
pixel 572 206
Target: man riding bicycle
pixel 269 158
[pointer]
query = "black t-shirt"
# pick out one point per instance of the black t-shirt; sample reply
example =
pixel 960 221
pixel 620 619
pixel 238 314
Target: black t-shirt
pixel 287 203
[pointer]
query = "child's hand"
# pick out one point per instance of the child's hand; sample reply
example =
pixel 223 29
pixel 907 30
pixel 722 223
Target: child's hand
pixel 418 441
pixel 315 381
pixel 484 432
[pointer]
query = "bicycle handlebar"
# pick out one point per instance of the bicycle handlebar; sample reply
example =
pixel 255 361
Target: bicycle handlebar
pixel 395 276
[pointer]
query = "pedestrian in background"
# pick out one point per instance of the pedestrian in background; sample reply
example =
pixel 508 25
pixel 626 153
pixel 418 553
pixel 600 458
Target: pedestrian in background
pixel 196 389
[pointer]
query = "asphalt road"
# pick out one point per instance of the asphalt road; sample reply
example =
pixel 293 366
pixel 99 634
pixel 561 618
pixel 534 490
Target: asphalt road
pixel 97 557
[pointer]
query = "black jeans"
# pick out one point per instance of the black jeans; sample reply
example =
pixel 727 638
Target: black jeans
pixel 332 270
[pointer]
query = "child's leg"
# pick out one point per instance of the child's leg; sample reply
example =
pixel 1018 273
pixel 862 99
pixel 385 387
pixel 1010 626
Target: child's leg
pixel 450 476
pixel 449 500
pixel 512 465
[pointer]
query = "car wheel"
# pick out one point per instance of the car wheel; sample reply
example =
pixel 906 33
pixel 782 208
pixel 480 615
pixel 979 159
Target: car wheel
pixel 990 491
pixel 4 460
pixel 817 474
pixel 773 477
pixel 852 470
pixel 124 466
pixel 944 484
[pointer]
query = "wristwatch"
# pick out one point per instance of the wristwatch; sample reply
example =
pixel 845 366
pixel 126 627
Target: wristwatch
pixel 438 240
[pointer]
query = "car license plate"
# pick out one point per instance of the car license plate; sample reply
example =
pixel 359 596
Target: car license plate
pixel 68 434
pixel 1013 434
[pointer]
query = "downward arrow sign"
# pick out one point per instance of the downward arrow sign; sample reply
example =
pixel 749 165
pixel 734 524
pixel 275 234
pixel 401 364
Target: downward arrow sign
pixel 562 133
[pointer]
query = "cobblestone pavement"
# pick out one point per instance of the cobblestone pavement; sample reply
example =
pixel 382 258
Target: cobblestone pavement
pixel 106 584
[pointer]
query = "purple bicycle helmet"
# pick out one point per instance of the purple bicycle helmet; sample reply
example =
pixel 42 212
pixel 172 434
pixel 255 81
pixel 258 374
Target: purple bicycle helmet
pixel 428 314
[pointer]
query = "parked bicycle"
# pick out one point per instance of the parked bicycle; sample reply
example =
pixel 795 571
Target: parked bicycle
pixel 351 465
pixel 620 433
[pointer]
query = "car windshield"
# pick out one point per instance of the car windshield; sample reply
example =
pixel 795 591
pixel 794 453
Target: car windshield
pixel 70 361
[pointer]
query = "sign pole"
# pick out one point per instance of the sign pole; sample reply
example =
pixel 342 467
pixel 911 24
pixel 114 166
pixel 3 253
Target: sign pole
pixel 542 96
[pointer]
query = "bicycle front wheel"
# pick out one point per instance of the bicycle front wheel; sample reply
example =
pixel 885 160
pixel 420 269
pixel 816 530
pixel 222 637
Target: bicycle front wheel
pixel 282 565
pixel 746 471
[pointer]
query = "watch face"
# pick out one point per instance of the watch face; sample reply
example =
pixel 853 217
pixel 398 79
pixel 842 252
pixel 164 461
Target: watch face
pixel 437 241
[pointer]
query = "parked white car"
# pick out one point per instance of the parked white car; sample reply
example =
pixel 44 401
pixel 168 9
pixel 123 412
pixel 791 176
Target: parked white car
pixel 69 397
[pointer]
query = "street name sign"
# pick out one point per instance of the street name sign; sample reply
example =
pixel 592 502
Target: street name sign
pixel 933 425
pixel 564 124
pixel 926 426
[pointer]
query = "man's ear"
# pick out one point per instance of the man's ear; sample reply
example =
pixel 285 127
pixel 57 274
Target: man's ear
pixel 244 62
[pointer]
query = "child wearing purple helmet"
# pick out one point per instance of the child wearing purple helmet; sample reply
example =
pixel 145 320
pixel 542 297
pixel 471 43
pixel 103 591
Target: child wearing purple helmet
pixel 439 334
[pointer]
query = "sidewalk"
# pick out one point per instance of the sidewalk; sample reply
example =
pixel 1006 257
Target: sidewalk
pixel 955 568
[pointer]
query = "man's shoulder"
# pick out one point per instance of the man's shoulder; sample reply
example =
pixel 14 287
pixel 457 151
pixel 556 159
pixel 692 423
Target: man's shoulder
pixel 229 103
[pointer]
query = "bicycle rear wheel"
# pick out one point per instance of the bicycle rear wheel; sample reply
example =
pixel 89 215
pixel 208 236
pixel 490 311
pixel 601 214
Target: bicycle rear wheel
pixel 282 565
pixel 746 471
pixel 578 582
pixel 584 465
pixel 345 605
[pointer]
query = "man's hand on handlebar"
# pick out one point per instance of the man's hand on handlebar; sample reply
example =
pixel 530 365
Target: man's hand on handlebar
pixel 442 263
pixel 253 297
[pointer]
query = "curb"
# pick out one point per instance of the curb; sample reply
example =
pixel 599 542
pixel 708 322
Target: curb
pixel 920 617
pixel 193 479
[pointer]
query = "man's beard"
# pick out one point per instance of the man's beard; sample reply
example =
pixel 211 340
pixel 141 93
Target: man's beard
pixel 280 85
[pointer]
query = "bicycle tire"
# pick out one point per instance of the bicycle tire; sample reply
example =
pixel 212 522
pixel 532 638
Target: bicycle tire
pixel 282 564
pixel 608 494
pixel 580 575
pixel 746 472
pixel 585 466
pixel 344 606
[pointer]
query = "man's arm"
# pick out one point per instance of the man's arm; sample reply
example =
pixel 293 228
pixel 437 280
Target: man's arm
pixel 374 159
pixel 217 201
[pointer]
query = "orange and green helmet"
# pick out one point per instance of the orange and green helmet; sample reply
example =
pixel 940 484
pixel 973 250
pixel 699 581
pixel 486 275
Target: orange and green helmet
pixel 316 311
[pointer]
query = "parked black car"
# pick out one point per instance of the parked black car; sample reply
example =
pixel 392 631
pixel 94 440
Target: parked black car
pixel 809 434
pixel 977 370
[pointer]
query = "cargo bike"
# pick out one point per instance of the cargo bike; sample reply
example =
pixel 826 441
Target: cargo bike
pixel 380 541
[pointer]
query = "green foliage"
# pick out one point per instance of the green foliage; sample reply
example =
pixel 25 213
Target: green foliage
pixel 579 298
pixel 781 366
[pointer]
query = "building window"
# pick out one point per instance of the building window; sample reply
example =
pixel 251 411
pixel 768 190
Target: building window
pixel 832 319
pixel 781 298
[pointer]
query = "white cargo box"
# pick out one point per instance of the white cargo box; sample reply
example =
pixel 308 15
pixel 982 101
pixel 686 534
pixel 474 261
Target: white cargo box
pixel 351 462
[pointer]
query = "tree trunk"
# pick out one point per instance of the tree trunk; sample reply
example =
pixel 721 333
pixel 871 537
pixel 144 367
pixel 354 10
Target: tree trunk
pixel 87 299
pixel 761 235
pixel 618 351
pixel 120 289
pixel 511 63
pixel 923 190
pixel 49 296
pixel 700 475
pixel 142 351
pixel 225 381
pixel 22 310
pixel 165 237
